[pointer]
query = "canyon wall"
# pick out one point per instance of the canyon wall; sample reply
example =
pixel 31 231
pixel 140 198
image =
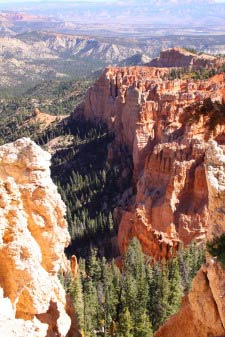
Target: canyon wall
pixel 203 311
pixel 147 112
pixel 33 237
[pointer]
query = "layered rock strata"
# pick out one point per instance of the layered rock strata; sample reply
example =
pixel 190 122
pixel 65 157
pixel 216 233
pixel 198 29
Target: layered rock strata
pixel 32 241
pixel 147 113
pixel 203 311
pixel 183 58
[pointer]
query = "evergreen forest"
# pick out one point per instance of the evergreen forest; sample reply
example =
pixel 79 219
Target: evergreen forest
pixel 135 299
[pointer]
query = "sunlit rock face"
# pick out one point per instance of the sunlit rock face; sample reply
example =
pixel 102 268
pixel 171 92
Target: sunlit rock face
pixel 180 57
pixel 147 113
pixel 32 241
pixel 203 310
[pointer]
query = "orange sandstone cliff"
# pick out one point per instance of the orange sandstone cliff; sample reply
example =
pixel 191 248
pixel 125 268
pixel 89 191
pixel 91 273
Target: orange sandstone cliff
pixel 203 311
pixel 146 111
pixel 33 237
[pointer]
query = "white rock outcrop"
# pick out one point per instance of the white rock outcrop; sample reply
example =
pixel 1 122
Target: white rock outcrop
pixel 33 235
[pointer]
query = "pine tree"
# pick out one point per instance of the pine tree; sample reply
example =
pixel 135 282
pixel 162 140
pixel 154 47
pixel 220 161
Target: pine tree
pixel 143 327
pixel 91 312
pixel 175 287
pixel 111 284
pixel 134 259
pixel 76 293
pixel 135 287
pixel 154 294
pixel 94 267
pixel 165 293
pixel 129 293
pixel 125 324
pixel 195 260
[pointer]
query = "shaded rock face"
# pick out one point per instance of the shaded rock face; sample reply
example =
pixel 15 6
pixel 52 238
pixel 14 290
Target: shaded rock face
pixel 203 310
pixel 147 113
pixel 179 57
pixel 32 241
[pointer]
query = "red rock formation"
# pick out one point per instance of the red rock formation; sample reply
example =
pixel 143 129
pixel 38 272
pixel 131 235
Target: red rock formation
pixel 147 113
pixel 179 57
pixel 36 112
pixel 203 311
pixel 32 241
pixel 73 266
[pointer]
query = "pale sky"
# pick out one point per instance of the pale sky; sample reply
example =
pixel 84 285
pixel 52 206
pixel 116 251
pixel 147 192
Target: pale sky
pixel 22 1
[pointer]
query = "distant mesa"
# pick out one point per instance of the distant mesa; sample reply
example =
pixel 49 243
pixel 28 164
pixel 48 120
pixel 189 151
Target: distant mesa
pixel 184 58
pixel 15 16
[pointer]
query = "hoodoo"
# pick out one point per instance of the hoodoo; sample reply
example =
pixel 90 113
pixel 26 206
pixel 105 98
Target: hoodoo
pixel 146 110
pixel 33 237
pixel 203 310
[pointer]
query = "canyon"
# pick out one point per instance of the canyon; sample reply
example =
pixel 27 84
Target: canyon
pixel 147 112
pixel 33 237
pixel 178 173
pixel 176 196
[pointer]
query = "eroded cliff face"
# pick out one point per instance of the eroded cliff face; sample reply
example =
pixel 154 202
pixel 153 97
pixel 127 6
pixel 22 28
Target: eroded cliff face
pixel 203 311
pixel 147 113
pixel 33 237
pixel 179 57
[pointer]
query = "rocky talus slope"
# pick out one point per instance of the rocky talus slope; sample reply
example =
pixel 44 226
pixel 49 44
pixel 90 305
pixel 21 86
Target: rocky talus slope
pixel 147 113
pixel 33 237
pixel 203 311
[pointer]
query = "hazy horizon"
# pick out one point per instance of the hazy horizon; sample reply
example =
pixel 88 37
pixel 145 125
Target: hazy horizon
pixel 181 17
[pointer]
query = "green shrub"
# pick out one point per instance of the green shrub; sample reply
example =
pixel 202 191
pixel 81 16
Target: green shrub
pixel 215 111
pixel 216 248
pixel 191 50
